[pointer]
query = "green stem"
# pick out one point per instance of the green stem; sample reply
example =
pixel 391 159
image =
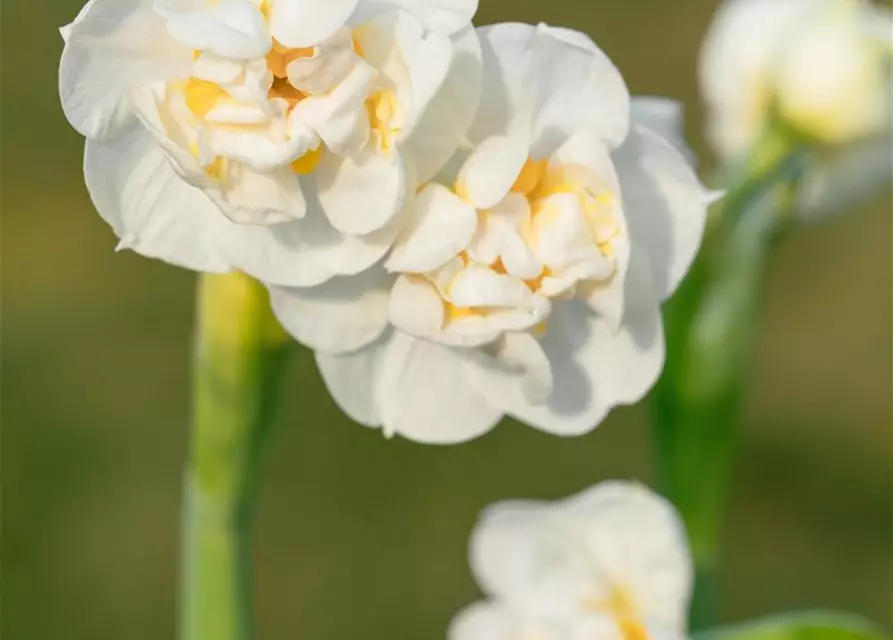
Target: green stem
pixel 239 349
pixel 710 325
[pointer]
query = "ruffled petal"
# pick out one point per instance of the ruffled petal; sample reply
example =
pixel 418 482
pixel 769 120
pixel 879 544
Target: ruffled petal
pixel 486 621
pixel 594 367
pixel 149 206
pixel 361 194
pixel 304 23
pixel 416 307
pixel 339 116
pixel 548 77
pixel 305 252
pixel 423 394
pixel 665 205
pixel 441 225
pixel 114 45
pixel 338 316
pixel 230 28
pixel 490 171
pixel 449 112
pixel 350 379
pixel 444 16
pixel 603 102
pixel 637 534
pixel 522 553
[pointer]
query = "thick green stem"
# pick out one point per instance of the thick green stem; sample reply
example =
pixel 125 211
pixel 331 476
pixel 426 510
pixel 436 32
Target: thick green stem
pixel 710 325
pixel 239 348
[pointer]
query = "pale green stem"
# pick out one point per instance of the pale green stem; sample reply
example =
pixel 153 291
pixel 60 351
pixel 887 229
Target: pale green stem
pixel 710 325
pixel 238 350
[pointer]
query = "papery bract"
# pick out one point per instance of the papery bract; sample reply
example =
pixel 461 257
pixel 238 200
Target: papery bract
pixel 271 136
pixel 610 563
pixel 529 276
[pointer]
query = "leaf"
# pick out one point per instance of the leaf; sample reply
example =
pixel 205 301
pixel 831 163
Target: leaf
pixel 807 625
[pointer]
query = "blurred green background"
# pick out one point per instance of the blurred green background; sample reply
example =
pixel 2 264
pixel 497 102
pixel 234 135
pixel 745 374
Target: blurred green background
pixel 359 537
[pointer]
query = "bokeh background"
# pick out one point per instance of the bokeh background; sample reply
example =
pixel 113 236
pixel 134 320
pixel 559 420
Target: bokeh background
pixel 359 537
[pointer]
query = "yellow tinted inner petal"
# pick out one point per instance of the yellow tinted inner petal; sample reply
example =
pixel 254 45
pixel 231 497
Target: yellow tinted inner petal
pixel 383 107
pixel 452 312
pixel 307 162
pixel 281 56
pixel 201 96
pixel 531 174
pixel 281 88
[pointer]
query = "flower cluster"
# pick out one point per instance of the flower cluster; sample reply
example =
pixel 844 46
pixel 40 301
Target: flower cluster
pixel 461 223
pixel 611 563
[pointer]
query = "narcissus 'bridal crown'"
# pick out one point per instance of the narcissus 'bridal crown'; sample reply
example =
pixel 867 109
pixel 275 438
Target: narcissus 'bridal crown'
pixel 279 137
pixel 608 564
pixel 529 276
pixel 821 68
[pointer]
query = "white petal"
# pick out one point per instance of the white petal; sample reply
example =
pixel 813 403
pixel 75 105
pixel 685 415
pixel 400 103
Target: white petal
pixel 492 169
pixel 561 235
pixel 416 307
pixel 522 553
pixel 477 286
pixel 65 31
pixel 505 97
pixel 444 16
pixel 519 356
pixel 594 367
pixel 450 111
pixel 339 116
pixel 350 379
pixel 440 227
pixel 427 56
pixel 304 252
pixel 111 47
pixel 636 535
pixel 486 621
pixel 329 65
pixel 230 28
pixel 361 194
pixel 261 197
pixel 562 85
pixel 665 205
pixel 151 208
pixel 338 316
pixel 603 104
pixel 303 23
pixel 665 118
pixel 586 149
pixel 423 394
pixel 608 299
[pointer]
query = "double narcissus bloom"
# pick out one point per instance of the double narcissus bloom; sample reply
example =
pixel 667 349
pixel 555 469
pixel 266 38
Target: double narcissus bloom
pixel 819 68
pixel 278 137
pixel 528 278
pixel 461 224
pixel 611 563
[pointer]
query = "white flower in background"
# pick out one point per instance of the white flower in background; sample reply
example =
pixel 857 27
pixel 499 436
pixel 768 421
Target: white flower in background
pixel 610 563
pixel 529 277
pixel 279 137
pixel 823 68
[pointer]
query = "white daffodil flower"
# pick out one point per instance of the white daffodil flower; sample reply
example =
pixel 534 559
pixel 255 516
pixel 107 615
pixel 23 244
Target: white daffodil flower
pixel 823 68
pixel 611 563
pixel 529 276
pixel 271 136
